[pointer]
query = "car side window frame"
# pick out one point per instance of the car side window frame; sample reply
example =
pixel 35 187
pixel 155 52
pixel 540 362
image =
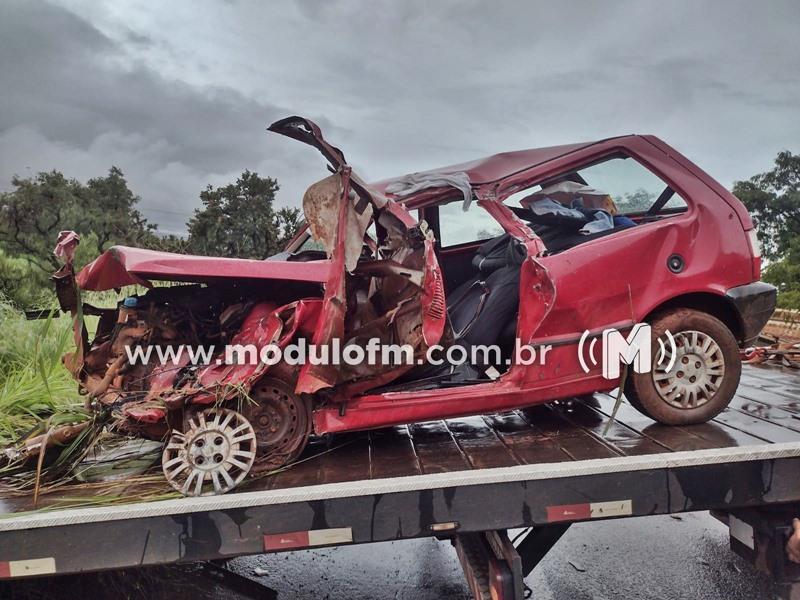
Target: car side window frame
pixel 603 156
pixel 432 215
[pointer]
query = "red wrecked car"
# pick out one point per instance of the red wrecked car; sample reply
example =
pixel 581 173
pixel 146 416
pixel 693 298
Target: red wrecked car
pixel 544 249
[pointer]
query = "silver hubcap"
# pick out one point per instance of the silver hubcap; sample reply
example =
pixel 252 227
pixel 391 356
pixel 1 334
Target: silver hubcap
pixel 696 373
pixel 214 454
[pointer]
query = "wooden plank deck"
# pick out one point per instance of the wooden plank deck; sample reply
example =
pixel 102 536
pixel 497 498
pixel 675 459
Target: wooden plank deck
pixel 766 409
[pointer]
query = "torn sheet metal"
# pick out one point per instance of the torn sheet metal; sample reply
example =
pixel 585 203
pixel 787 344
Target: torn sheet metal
pixel 334 303
pixel 322 204
pixel 69 300
pixel 388 288
pixel 308 132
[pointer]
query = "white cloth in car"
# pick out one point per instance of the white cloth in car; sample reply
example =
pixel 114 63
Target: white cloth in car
pixel 598 220
pixel 548 206
pixel 415 182
pixel 602 221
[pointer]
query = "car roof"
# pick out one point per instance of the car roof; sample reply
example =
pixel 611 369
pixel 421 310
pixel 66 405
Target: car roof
pixel 499 166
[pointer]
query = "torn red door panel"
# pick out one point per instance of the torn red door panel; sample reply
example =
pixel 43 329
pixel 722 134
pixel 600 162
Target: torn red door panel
pixel 344 240
pixel 315 377
pixel 261 327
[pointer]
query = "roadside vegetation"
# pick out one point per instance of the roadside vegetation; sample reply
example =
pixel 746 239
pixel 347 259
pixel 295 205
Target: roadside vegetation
pixel 237 220
pixel 36 391
pixel 773 198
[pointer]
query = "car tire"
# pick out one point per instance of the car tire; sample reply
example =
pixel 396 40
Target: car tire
pixel 703 378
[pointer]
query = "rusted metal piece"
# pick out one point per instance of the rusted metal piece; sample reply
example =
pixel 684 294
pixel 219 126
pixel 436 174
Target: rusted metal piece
pixel 218 381
pixel 322 204
pixel 69 299
pixel 282 422
pixel 99 389
pixel 316 377
pixel 783 331
pixel 785 354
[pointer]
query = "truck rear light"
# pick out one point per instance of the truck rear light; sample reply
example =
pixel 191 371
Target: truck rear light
pixel 755 250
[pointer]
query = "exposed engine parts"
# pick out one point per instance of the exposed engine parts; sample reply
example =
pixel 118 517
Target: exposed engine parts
pixel 224 419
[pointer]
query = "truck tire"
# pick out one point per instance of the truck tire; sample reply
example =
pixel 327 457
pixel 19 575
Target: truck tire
pixel 703 377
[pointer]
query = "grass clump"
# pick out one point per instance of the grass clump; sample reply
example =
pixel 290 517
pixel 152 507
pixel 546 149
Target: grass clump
pixel 36 391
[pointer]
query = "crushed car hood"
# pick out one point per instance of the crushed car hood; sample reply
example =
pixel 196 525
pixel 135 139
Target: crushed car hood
pixel 120 266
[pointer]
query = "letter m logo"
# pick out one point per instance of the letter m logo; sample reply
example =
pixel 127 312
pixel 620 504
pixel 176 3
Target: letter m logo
pixel 635 350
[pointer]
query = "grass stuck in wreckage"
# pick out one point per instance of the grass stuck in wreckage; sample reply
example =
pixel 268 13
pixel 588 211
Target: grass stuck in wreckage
pixel 37 394
pixel 36 391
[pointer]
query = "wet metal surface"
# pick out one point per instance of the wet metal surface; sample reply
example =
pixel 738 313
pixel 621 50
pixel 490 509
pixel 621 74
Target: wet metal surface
pixel 680 556
pixel 766 409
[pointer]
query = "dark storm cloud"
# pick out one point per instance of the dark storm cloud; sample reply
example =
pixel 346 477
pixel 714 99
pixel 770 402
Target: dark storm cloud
pixel 69 87
pixel 178 95
pixel 60 76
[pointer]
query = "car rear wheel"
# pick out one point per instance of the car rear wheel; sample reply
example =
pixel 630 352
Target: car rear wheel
pixel 694 378
pixel 282 423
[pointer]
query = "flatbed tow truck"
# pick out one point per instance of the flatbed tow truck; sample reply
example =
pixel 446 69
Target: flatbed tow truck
pixel 467 481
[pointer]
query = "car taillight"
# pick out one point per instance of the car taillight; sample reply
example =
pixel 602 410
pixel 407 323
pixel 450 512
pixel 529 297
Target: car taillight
pixel 755 250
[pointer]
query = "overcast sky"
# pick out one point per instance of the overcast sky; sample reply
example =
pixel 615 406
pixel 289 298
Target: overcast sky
pixel 178 94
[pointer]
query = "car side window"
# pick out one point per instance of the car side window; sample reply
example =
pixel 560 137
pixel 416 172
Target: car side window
pixel 459 227
pixel 632 186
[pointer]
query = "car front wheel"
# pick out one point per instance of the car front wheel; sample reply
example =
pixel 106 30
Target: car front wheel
pixel 692 379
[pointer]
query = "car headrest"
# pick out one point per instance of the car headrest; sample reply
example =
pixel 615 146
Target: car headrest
pixel 499 252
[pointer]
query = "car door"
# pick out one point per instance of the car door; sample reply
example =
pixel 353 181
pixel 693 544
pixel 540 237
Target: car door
pixel 610 279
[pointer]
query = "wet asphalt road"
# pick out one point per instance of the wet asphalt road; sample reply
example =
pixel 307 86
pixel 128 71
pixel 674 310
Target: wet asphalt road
pixel 645 558
pixel 651 557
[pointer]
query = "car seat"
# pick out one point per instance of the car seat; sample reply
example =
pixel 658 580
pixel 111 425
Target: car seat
pixel 482 307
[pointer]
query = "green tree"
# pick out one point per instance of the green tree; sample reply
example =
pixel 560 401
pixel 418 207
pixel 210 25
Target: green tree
pixel 239 220
pixel 113 216
pixel 773 198
pixel 785 275
pixel 21 283
pixel 637 201
pixel 289 222
pixel 32 214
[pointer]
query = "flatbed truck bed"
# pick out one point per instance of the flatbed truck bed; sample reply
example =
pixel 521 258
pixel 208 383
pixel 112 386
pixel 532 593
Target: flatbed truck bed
pixel 468 480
